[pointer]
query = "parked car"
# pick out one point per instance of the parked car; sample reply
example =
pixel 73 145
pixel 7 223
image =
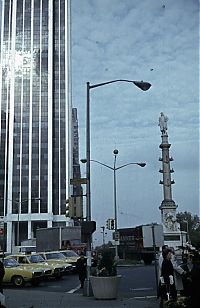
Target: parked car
pixel 58 269
pixel 57 257
pixel 23 259
pixel 18 274
pixel 71 257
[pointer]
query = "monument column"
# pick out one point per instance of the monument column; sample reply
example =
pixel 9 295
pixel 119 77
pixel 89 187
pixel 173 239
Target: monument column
pixel 168 207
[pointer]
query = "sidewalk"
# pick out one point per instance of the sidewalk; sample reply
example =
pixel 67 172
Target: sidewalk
pixel 39 299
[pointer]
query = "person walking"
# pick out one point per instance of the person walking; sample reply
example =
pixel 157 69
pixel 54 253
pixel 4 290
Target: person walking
pixel 167 286
pixel 81 267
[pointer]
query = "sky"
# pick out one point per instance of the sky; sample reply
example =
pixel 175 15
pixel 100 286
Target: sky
pixel 151 40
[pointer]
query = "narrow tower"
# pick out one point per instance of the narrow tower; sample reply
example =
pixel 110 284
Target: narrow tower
pixel 172 234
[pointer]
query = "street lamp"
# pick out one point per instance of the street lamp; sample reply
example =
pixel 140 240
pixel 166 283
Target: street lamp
pixel 114 169
pixel 19 203
pixel 144 86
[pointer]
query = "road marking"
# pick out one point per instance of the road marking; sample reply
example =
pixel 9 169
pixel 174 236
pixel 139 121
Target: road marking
pixel 142 297
pixel 145 297
pixel 73 290
pixel 141 289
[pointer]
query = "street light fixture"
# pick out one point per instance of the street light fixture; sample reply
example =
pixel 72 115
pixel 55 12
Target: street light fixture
pixel 18 203
pixel 114 169
pixel 144 86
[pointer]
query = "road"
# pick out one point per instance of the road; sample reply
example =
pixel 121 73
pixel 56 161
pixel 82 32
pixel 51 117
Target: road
pixel 136 281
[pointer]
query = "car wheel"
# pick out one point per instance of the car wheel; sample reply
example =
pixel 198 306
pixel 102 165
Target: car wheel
pixel 18 281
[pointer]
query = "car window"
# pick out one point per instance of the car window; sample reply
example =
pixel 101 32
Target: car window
pixel 35 258
pixel 55 255
pixel 22 260
pixel 70 253
pixel 10 262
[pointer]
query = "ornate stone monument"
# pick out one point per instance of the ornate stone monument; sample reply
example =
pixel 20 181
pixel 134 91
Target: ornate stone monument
pixel 172 234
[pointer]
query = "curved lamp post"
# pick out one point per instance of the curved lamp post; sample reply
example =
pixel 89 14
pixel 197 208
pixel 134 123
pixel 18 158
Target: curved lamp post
pixel 114 169
pixel 144 86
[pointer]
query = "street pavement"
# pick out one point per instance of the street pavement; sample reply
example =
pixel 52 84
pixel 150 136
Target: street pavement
pixel 50 297
pixel 16 298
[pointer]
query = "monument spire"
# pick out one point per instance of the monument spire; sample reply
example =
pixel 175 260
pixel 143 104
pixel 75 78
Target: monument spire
pixel 168 207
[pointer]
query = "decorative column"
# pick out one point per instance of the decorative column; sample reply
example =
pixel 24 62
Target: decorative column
pixel 168 206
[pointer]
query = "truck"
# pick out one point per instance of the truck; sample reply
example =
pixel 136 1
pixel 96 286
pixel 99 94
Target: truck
pixel 141 242
pixel 59 238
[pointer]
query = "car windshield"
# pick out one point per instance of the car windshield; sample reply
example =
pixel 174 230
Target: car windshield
pixel 55 255
pixel 35 258
pixel 10 263
pixel 70 253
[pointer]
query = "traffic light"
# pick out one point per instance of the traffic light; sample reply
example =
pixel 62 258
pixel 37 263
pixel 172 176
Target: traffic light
pixel 69 208
pixel 108 224
pixel 112 224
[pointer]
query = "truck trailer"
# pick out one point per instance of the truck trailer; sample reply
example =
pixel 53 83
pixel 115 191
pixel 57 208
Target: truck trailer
pixel 59 238
pixel 140 242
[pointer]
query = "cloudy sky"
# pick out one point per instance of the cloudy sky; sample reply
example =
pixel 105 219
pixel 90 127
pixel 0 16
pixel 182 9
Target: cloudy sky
pixel 150 40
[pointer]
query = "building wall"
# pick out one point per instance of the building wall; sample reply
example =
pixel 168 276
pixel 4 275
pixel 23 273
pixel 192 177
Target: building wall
pixel 35 102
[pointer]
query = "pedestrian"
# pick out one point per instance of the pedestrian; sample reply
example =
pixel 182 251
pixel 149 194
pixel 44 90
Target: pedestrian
pixel 81 266
pixel 2 273
pixel 167 287
pixel 160 259
pixel 179 273
pixel 195 281
pixel 159 266
pixel 186 279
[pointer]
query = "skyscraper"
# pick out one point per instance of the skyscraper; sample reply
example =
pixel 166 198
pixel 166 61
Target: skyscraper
pixel 35 103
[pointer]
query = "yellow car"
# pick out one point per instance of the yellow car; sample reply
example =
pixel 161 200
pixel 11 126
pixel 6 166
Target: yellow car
pixel 19 275
pixel 23 259
pixel 57 269
pixel 71 257
pixel 57 257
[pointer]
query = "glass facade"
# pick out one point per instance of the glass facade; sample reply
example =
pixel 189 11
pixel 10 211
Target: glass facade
pixel 35 112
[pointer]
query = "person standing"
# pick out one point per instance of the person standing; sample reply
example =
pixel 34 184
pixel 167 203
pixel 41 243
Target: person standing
pixel 179 273
pixel 167 287
pixel 2 273
pixel 195 281
pixel 81 267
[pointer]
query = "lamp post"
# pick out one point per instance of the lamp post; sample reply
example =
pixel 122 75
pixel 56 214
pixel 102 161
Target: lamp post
pixel 144 86
pixel 114 169
pixel 18 203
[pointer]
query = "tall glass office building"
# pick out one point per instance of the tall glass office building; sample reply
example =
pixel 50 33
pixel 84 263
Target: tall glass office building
pixel 35 118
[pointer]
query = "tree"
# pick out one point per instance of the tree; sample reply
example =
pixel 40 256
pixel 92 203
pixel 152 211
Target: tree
pixel 192 222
